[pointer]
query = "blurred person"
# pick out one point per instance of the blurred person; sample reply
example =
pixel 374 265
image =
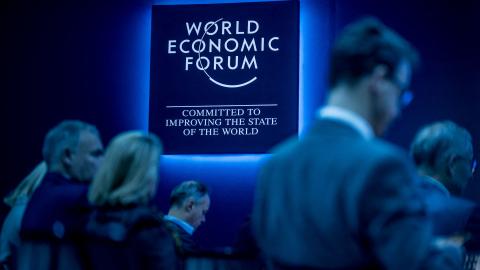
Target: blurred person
pixel 17 200
pixel 443 154
pixel 340 198
pixel 126 233
pixel 189 204
pixel 59 207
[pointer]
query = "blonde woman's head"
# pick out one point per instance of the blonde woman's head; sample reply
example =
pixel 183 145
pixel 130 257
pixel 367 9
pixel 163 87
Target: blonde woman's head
pixel 129 171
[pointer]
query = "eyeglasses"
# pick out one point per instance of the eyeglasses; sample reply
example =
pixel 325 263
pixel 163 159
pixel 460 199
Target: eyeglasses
pixel 406 96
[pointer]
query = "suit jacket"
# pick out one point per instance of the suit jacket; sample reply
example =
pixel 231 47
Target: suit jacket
pixel 57 209
pixel 185 243
pixel 449 213
pixel 334 200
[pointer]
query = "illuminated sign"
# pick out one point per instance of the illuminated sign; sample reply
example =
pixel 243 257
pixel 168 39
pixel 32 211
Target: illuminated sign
pixel 224 77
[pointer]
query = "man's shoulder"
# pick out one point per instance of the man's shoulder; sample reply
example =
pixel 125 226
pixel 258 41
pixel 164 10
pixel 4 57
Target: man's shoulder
pixel 329 140
pixel 380 157
pixel 184 241
pixel 55 187
pixel 53 200
pixel 320 132
pixel 383 149
pixel 174 227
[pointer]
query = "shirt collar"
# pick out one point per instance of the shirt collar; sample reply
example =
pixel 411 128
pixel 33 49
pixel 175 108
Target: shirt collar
pixel 439 185
pixel 184 225
pixel 348 117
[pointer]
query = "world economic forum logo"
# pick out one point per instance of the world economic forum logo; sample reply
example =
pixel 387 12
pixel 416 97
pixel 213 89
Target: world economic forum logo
pixel 218 48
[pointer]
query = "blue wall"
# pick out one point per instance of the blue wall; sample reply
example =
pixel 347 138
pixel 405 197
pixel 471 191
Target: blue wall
pixel 90 60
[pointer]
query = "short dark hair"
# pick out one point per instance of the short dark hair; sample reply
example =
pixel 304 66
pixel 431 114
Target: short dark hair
pixel 186 190
pixel 435 143
pixel 362 46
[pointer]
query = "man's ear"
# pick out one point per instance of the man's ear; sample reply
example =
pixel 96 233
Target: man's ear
pixel 450 168
pixel 377 77
pixel 67 157
pixel 189 203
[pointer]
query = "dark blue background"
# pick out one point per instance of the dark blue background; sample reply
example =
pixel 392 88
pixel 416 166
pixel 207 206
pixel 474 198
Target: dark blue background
pixel 90 60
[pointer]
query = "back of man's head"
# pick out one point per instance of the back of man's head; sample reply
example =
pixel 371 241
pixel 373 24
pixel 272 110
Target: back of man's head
pixel 364 45
pixel 443 150
pixel 63 141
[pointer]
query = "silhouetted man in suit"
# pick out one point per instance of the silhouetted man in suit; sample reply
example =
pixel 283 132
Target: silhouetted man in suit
pixel 189 204
pixel 340 198
pixel 443 154
pixel 55 219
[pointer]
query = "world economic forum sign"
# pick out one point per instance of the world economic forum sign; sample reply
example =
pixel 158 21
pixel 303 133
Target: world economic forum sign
pixel 224 77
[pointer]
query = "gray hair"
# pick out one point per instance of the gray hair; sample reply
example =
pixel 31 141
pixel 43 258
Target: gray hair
pixel 434 144
pixel 186 190
pixel 64 136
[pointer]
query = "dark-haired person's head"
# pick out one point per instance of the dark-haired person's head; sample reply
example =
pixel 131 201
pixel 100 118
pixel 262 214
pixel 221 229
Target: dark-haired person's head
pixel 370 69
pixel 189 201
pixel 443 150
pixel 74 149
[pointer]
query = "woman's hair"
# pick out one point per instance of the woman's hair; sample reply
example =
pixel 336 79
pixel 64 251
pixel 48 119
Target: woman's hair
pixel 28 185
pixel 128 174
